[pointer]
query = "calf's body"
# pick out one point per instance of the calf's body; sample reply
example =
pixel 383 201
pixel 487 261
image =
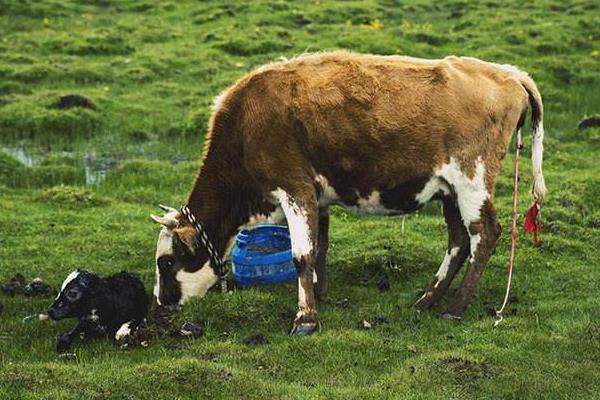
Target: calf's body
pixel 378 134
pixel 114 306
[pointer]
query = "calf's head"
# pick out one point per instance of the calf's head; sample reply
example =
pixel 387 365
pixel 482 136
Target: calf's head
pixel 182 268
pixel 75 295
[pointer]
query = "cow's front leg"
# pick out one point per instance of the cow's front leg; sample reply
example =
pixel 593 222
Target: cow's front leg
pixel 301 211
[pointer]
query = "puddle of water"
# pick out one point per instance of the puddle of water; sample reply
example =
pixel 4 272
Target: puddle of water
pixel 99 159
pixel 96 166
pixel 23 155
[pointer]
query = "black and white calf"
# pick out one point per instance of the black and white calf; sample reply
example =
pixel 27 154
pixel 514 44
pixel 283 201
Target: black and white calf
pixel 114 306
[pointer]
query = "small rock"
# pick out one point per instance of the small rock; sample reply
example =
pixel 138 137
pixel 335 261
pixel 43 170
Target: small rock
pixel 38 287
pixel 256 340
pixel 191 329
pixel 214 357
pixel 209 37
pixel 224 375
pixel 342 303
pixel 380 320
pixel 15 285
pixel 364 325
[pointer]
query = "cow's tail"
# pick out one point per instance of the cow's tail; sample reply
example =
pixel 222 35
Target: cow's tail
pixel 537 126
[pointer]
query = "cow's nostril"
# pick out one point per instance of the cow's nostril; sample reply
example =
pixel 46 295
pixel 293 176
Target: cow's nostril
pixel 51 313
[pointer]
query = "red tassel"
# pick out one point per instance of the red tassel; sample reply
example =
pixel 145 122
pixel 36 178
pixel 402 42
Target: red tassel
pixel 533 222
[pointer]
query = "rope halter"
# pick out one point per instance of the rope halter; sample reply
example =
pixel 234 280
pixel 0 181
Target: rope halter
pixel 216 262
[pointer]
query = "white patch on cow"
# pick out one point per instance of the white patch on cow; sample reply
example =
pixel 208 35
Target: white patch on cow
pixel 301 296
pixel 371 205
pixel 297 223
pixel 156 290
pixel 443 270
pixel 301 301
pixel 315 277
pixel 196 283
pixel 164 246
pixel 67 280
pixel 276 217
pixel 471 193
pixel 475 239
pixel 328 194
pixel 123 331
pixel 433 186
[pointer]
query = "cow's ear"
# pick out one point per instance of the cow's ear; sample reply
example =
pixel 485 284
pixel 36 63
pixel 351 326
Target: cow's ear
pixel 170 223
pixel 187 235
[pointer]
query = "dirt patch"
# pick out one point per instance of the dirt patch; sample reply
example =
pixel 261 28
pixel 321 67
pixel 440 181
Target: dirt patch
pixel 72 101
pixel 466 371
pixel 18 285
pixel 257 339
pixel 74 196
pixel 589 122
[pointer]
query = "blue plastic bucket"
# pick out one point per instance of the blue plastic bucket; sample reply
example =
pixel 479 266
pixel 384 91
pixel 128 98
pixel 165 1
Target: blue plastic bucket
pixel 263 255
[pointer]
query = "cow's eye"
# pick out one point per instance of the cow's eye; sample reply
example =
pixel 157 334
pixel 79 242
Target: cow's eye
pixel 165 263
pixel 72 295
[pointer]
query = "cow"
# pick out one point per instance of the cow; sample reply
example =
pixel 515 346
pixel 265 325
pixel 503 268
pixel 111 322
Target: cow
pixel 376 134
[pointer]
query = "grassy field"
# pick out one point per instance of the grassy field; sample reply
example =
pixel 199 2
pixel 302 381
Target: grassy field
pixel 151 69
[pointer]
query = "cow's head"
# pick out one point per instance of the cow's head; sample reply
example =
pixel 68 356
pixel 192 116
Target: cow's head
pixel 182 268
pixel 75 295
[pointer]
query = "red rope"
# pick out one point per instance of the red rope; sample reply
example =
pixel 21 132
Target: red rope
pixel 513 240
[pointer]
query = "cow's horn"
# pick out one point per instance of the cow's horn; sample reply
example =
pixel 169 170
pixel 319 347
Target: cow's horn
pixel 167 222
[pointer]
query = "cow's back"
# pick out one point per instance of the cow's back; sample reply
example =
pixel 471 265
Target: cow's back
pixel 377 120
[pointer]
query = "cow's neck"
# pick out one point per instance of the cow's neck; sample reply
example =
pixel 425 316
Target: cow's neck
pixel 222 198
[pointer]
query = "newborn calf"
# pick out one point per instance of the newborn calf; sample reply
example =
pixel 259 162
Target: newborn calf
pixel 113 306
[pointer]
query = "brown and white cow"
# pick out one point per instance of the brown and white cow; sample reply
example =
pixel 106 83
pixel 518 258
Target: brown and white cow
pixel 379 134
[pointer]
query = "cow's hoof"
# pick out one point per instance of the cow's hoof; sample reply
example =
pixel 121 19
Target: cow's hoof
pixel 451 317
pixel 424 303
pixel 303 329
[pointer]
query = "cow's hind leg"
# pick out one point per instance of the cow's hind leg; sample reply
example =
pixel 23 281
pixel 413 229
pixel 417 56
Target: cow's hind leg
pixel 458 250
pixel 301 211
pixel 483 234
pixel 321 285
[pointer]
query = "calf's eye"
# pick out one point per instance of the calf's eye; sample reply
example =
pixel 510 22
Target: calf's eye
pixel 72 295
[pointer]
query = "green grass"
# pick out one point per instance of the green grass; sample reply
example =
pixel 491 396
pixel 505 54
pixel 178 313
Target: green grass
pixel 152 69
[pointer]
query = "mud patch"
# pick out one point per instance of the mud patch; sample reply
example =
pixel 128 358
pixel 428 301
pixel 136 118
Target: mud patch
pixel 73 197
pixel 254 340
pixel 589 122
pixel 72 101
pixel 18 285
pixel 466 371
